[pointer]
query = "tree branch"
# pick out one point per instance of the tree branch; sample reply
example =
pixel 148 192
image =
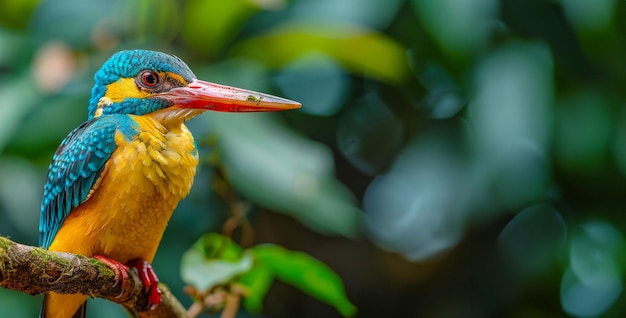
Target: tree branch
pixel 35 271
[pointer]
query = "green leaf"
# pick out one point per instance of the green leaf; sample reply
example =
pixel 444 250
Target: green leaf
pixel 306 273
pixel 258 281
pixel 213 260
pixel 359 50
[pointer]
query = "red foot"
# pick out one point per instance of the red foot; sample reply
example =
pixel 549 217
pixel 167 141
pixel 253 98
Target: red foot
pixel 146 273
pixel 150 280
pixel 121 270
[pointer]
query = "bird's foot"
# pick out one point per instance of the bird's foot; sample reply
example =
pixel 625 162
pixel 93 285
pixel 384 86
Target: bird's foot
pixel 146 273
pixel 149 279
pixel 121 270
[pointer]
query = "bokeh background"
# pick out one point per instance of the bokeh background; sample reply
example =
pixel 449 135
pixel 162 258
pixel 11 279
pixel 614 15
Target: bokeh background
pixel 453 158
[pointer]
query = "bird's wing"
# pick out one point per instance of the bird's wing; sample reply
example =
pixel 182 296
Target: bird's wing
pixel 75 169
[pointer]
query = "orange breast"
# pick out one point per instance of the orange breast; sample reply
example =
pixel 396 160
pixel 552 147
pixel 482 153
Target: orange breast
pixel 127 212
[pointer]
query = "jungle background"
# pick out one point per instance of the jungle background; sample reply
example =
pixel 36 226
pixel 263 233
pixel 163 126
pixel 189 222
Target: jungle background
pixel 452 158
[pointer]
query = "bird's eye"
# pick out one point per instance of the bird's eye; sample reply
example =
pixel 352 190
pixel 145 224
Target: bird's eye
pixel 148 79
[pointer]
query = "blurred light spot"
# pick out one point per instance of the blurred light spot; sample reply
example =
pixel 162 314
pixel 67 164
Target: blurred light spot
pixel 582 300
pixel 369 134
pixel 593 281
pixel 511 116
pixel 53 66
pixel 416 226
pixel 596 254
pixel 513 97
pixel 372 13
pixel 534 239
pixel 460 27
pixel 316 81
pixel 589 15
pixel 419 206
pixel 583 131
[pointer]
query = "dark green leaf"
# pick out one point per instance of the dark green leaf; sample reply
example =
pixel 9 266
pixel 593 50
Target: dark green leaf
pixel 306 273
pixel 258 281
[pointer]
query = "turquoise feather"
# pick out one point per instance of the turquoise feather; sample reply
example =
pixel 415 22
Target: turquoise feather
pixel 76 167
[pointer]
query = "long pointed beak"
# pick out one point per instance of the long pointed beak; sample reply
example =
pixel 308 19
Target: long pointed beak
pixel 210 96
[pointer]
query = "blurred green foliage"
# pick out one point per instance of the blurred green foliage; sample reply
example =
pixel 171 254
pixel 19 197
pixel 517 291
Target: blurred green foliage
pixel 452 158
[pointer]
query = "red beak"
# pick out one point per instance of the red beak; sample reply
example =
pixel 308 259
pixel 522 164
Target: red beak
pixel 210 96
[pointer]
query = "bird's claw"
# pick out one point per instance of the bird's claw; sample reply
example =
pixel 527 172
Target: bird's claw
pixel 121 271
pixel 149 279
pixel 146 273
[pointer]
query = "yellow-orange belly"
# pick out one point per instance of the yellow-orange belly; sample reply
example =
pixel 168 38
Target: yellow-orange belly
pixel 126 213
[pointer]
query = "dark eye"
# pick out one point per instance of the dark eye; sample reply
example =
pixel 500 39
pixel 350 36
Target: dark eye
pixel 148 79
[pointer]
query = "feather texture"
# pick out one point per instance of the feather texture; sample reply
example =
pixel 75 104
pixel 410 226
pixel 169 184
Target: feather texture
pixel 75 169
pixel 115 181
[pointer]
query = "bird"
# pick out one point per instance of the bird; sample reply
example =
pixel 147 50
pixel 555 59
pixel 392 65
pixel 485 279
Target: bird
pixel 116 179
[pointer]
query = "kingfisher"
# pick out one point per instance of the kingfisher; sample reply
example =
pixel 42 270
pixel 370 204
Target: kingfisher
pixel 116 179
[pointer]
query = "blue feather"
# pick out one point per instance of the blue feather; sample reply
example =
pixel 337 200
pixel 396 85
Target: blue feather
pixel 82 156
pixel 128 64
pixel 75 168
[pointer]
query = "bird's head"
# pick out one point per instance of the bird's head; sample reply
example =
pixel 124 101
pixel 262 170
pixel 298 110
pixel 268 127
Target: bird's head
pixel 141 82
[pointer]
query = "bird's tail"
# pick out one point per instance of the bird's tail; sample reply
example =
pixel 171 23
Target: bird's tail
pixel 62 306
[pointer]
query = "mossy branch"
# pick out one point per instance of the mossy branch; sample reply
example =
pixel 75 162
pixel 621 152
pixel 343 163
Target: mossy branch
pixel 35 271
